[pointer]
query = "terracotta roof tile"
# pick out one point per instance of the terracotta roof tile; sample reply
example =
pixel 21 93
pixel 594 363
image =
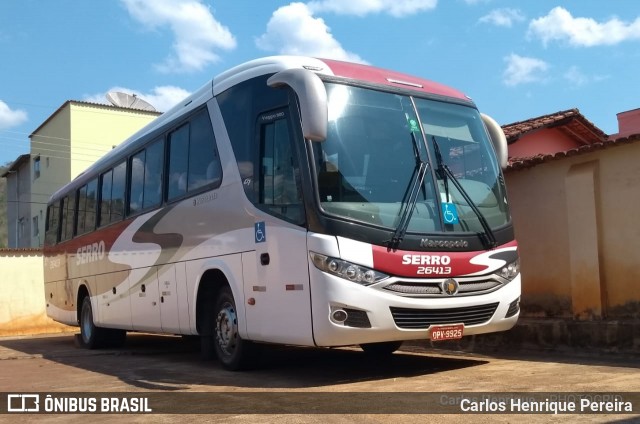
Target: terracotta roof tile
pixel 11 250
pixel 523 163
pixel 570 121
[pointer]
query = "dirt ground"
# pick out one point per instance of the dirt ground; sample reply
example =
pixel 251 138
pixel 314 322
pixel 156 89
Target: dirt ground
pixel 302 382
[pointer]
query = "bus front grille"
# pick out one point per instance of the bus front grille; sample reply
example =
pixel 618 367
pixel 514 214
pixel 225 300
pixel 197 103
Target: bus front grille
pixel 467 287
pixel 424 318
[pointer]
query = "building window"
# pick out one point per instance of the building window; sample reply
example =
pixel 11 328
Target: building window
pixel 20 229
pixel 36 167
pixel 34 221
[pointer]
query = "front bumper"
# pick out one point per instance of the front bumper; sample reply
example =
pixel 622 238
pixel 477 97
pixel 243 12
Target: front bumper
pixel 393 317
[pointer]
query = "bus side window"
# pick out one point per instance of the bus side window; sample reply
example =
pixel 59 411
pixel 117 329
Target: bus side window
pixel 68 217
pixel 178 157
pixel 86 220
pixel 136 182
pixel 106 180
pixel 236 105
pixel 82 210
pixel 92 203
pixel 204 162
pixel 53 221
pixel 194 162
pixel 239 106
pixel 112 185
pixel 145 184
pixel 154 165
pixel 118 191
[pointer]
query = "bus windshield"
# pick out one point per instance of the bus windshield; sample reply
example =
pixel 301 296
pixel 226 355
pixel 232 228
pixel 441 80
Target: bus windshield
pixel 376 141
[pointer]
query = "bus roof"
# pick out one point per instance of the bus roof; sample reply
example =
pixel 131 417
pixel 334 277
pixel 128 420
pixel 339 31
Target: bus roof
pixel 391 78
pixel 251 69
pixel 354 71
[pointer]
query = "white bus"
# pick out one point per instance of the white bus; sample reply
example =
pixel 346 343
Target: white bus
pixel 292 200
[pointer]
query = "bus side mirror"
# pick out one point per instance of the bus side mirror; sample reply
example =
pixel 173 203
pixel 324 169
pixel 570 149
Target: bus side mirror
pixel 312 97
pixel 498 139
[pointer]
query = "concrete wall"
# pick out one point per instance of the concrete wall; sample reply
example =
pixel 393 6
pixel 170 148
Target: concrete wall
pixel 22 303
pixel 577 224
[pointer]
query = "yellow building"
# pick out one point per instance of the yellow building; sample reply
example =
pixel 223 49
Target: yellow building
pixel 70 140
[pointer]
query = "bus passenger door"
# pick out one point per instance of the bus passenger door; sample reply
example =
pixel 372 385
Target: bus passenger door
pixel 277 275
pixel 279 284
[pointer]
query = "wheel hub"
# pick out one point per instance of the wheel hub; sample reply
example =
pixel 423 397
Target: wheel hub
pixel 227 328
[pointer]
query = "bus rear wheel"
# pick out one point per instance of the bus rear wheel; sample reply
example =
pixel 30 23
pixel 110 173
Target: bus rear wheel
pixel 380 349
pixel 93 337
pixel 232 351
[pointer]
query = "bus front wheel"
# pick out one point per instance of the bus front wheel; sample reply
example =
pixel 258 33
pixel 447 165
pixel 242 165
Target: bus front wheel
pixel 232 351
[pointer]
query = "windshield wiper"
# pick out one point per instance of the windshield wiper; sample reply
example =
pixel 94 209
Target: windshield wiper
pixel 410 195
pixel 440 171
pixel 488 238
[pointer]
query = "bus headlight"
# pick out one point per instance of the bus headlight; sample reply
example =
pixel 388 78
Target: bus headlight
pixel 509 271
pixel 347 270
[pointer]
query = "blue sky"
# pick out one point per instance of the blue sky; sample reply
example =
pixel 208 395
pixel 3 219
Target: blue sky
pixel 516 59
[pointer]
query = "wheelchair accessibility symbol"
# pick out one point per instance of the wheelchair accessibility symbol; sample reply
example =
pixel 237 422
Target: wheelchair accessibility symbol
pixel 449 213
pixel 260 232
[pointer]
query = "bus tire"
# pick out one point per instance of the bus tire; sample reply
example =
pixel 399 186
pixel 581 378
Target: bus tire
pixel 206 321
pixel 380 349
pixel 232 351
pixel 91 337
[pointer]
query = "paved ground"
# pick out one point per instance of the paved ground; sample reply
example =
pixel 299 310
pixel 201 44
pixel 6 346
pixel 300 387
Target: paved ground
pixel 155 364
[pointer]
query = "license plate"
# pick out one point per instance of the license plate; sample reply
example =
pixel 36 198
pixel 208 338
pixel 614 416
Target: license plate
pixel 446 332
